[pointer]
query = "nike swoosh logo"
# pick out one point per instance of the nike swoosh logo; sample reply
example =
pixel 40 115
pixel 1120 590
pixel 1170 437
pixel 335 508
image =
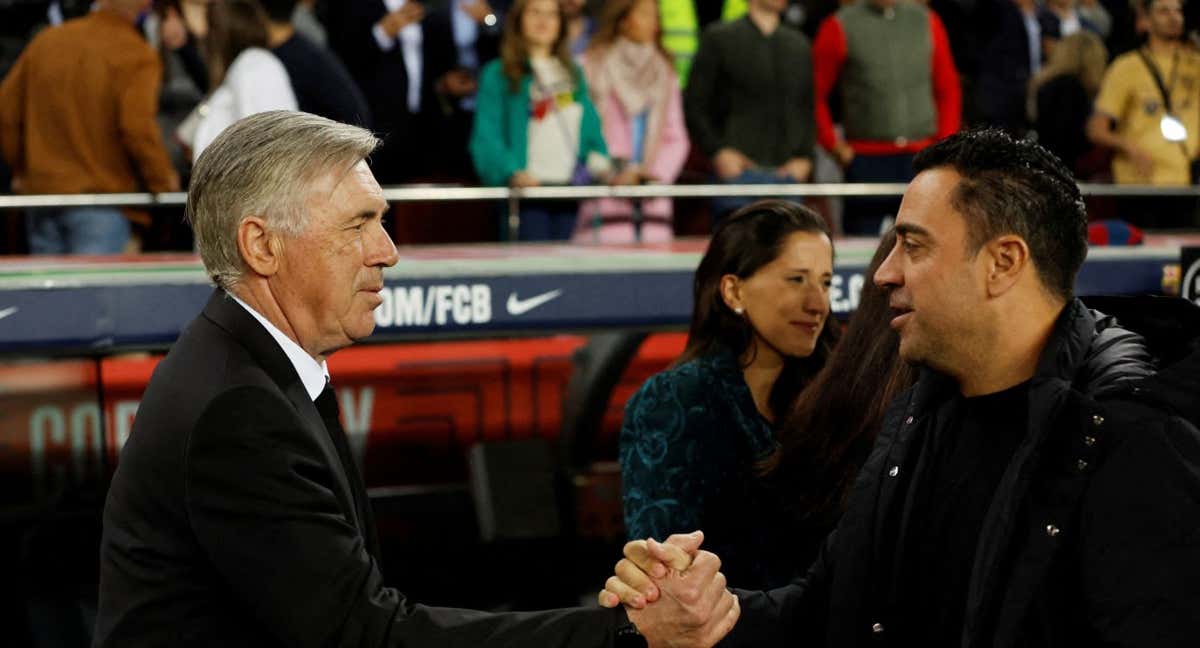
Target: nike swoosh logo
pixel 517 307
pixel 8 311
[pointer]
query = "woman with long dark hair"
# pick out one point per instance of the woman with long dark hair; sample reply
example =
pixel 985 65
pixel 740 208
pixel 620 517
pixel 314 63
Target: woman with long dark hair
pixel 534 121
pixel 832 425
pixel 694 435
pixel 824 439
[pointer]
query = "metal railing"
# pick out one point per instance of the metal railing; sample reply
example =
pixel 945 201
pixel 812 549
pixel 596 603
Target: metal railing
pixel 514 196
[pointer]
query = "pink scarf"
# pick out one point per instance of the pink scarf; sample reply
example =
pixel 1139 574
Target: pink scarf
pixel 640 78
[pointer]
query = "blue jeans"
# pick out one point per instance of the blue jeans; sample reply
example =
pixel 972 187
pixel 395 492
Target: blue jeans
pixel 725 205
pixel 548 220
pixel 864 216
pixel 77 230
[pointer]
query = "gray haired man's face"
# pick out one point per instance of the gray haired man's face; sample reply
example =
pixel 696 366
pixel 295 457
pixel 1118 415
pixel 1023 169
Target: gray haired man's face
pixel 331 273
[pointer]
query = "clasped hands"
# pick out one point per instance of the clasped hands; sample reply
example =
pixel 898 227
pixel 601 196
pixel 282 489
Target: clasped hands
pixel 673 592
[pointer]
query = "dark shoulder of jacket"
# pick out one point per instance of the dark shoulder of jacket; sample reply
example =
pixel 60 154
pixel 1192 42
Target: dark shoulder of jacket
pixel 1169 331
pixel 1115 358
pixel 722 30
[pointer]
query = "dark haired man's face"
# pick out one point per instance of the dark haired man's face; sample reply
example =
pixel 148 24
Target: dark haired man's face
pixel 933 285
pixel 776 6
pixel 1165 18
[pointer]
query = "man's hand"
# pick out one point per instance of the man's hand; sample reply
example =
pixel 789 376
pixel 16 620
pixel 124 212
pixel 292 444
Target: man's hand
pixel 478 10
pixel 843 154
pixel 630 175
pixel 1142 162
pixel 692 609
pixel 412 12
pixel 731 163
pixel 798 169
pixel 644 560
pixel 523 179
pixel 457 83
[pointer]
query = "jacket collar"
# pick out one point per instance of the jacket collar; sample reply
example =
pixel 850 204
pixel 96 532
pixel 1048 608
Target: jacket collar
pixel 223 311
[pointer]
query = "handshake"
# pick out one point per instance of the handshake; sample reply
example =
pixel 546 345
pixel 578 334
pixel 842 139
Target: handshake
pixel 673 592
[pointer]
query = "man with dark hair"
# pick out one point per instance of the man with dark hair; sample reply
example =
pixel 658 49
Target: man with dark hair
pixel 1148 113
pixel 748 102
pixel 1024 492
pixel 322 84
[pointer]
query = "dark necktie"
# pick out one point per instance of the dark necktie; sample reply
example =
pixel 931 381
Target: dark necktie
pixel 327 405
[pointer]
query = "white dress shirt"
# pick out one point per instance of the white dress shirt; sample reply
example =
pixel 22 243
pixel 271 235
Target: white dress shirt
pixel 314 375
pixel 410 38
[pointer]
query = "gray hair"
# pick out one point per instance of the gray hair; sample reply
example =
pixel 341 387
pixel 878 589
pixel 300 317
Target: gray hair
pixel 263 166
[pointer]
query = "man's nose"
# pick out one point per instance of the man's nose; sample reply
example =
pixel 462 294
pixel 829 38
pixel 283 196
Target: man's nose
pixel 382 251
pixel 888 274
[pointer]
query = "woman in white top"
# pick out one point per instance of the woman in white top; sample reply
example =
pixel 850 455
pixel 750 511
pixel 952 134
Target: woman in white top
pixel 247 76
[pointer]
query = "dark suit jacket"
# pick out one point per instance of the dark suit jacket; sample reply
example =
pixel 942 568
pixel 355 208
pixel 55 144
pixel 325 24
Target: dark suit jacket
pixel 448 157
pixel 231 520
pixel 384 81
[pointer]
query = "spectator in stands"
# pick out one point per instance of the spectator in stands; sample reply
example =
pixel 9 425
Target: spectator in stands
pixel 321 83
pixel 826 437
pixel 1094 13
pixel 178 38
pixel 1009 59
pixel 1071 19
pixel 77 115
pixel 694 434
pixel 899 90
pixel 382 42
pixel 461 39
pixel 305 21
pixel 636 92
pixel 1061 96
pixel 579 26
pixel 248 78
pixel 1148 113
pixel 535 123
pixel 749 100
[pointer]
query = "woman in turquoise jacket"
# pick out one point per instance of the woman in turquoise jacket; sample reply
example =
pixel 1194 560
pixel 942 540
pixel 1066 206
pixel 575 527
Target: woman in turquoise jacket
pixel 534 122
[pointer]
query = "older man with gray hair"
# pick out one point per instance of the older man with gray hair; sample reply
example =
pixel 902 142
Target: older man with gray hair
pixel 237 516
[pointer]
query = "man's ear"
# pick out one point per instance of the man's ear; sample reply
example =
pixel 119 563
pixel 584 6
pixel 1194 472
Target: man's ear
pixel 261 250
pixel 1007 259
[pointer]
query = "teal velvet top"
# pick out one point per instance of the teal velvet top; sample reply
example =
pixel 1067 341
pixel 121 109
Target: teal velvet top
pixel 689 445
pixel 501 131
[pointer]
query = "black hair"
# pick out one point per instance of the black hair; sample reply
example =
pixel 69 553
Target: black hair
pixel 279 11
pixel 826 436
pixel 742 243
pixel 1012 186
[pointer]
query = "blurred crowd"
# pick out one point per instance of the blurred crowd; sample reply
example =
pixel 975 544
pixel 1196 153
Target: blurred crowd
pixel 122 95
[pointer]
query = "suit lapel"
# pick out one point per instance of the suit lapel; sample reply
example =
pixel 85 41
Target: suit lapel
pixel 230 316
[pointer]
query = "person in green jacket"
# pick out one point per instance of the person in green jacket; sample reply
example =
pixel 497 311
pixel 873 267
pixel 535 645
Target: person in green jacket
pixel 534 122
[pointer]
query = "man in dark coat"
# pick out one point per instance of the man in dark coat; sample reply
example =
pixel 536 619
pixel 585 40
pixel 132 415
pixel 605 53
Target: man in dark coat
pixel 237 516
pixel 1027 491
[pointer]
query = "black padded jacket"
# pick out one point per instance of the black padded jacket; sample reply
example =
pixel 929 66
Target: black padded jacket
pixel 1092 537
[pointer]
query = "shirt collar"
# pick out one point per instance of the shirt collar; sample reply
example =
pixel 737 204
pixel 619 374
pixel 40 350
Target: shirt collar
pixel 314 375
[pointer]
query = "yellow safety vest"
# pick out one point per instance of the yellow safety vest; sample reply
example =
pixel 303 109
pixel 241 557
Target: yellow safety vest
pixel 680 34
pixel 734 9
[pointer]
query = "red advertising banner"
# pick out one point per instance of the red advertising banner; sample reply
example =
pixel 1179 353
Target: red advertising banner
pixel 410 410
